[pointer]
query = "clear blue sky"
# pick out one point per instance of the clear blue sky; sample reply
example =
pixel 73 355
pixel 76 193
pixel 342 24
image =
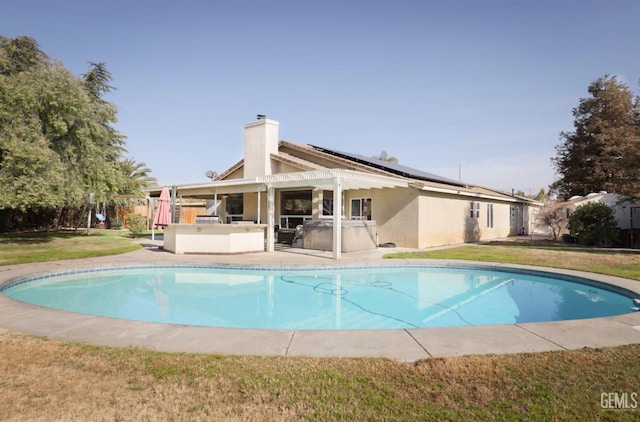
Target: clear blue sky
pixel 481 86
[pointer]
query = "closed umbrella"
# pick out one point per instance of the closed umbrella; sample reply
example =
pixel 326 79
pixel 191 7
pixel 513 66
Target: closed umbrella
pixel 162 216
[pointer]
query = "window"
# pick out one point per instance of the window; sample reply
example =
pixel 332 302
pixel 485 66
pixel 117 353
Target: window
pixel 295 208
pixel 327 202
pixel 361 209
pixel 296 202
pixel 234 207
pixel 635 217
pixel 490 216
pixel 474 209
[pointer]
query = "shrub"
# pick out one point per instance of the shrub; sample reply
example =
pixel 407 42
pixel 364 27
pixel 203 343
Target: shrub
pixel 593 224
pixel 115 223
pixel 137 224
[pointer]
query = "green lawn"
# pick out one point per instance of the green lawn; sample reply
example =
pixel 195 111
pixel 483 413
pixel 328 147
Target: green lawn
pixel 37 247
pixel 618 263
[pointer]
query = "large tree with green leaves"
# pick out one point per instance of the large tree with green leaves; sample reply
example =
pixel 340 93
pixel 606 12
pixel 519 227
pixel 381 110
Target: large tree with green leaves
pixel 603 151
pixel 57 140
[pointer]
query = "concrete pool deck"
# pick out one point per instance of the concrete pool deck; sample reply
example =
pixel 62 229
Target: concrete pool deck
pixel 400 344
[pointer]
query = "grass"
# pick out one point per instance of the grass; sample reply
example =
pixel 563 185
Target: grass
pixel 25 248
pixel 611 262
pixel 61 381
pixel 51 380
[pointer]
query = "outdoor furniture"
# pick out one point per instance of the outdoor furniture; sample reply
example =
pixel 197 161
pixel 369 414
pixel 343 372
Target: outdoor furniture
pixel 286 235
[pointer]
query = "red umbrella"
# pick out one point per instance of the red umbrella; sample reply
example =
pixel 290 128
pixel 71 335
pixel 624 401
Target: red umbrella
pixel 162 216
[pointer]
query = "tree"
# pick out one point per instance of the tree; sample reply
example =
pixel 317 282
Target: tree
pixel 19 54
pixel 136 175
pixel 542 195
pixel 603 151
pixel 385 157
pixel 553 216
pixel 96 81
pixel 593 223
pixel 57 140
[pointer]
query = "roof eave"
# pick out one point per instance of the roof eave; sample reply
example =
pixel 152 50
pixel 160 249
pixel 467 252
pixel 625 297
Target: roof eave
pixel 460 192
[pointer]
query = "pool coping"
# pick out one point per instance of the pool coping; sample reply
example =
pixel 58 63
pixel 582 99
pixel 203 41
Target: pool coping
pixel 407 345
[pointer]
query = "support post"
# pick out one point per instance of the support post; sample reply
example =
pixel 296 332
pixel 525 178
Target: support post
pixel 173 204
pixel 271 201
pixel 337 218
pixel 258 207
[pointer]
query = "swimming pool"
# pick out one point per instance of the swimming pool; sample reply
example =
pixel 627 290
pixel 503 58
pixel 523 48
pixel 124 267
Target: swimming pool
pixel 372 297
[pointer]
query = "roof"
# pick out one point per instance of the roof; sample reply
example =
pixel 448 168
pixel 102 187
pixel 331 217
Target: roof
pixel 391 167
pixel 323 178
pixel 319 167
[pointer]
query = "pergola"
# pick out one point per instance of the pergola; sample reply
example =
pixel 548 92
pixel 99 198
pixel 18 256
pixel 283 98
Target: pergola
pixel 337 180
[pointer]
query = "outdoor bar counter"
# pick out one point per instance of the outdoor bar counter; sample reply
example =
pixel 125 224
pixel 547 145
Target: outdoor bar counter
pixel 214 238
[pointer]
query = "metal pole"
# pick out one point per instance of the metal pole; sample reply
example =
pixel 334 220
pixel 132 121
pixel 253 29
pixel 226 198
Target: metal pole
pixel 153 217
pixel 89 219
pixel 173 203
pixel 89 214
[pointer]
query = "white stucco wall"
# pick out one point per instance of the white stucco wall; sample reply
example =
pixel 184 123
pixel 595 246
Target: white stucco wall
pixel 260 141
pixel 395 212
pixel 415 219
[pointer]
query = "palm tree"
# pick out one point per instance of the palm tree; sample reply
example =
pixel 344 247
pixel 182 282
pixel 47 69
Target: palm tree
pixel 137 176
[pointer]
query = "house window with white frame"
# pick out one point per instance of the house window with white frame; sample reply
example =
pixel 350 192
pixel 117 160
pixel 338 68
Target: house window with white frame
pixel 490 216
pixel 474 209
pixel 361 209
pixel 295 208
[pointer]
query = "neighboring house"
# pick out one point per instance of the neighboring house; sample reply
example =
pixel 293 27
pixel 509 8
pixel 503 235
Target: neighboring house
pixel 284 183
pixel 627 213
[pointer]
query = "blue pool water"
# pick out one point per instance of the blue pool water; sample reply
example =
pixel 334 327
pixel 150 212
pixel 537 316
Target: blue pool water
pixel 344 298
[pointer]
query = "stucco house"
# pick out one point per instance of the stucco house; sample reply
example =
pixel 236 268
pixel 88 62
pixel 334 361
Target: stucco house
pixel 340 196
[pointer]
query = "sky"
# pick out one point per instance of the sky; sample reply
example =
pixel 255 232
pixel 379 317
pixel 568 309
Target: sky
pixel 477 90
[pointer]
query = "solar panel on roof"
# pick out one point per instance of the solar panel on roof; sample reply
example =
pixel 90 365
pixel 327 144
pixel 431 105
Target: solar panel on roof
pixel 391 167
